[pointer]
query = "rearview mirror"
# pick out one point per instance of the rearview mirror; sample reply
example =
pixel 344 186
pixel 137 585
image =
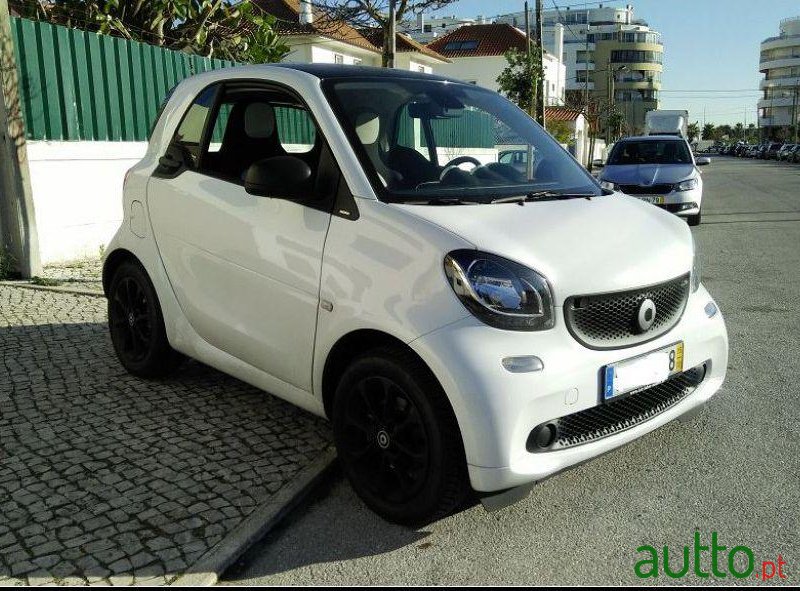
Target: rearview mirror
pixel 703 161
pixel 281 177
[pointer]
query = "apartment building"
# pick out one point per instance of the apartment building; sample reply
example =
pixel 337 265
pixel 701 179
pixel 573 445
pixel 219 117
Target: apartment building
pixel 779 106
pixel 606 50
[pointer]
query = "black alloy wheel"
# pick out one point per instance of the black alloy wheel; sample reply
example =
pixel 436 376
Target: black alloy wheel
pixel 384 439
pixel 397 438
pixel 136 324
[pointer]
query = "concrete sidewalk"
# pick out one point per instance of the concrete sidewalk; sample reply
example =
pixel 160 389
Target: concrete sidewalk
pixel 106 478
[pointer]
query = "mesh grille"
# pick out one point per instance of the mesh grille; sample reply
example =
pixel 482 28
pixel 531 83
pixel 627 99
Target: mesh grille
pixel 609 321
pixel 646 190
pixel 608 419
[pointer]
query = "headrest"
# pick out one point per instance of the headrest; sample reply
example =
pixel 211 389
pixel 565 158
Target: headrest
pixel 259 120
pixel 368 125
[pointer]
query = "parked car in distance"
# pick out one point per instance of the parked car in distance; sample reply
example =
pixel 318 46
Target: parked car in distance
pixel 660 170
pixel 772 150
pixel 783 153
pixel 463 330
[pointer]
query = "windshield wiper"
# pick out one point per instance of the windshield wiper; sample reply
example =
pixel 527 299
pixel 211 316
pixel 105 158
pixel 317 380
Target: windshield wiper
pixel 542 196
pixel 440 201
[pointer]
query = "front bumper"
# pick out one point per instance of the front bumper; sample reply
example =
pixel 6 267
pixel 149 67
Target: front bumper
pixel 682 203
pixel 497 410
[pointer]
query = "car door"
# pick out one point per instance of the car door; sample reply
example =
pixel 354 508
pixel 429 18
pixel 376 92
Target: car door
pixel 245 269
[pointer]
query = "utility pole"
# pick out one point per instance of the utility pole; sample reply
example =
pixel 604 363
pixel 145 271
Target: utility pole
pixel 392 45
pixel 586 73
pixel 794 113
pixel 18 237
pixel 540 55
pixel 531 107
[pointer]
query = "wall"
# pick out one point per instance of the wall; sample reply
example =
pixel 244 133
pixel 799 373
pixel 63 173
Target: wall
pixel 480 70
pixel 88 102
pixel 77 194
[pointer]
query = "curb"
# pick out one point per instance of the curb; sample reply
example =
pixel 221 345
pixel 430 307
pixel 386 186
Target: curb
pixel 72 290
pixel 213 563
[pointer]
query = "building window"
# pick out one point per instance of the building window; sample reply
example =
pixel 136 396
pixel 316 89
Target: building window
pixel 461 45
pixel 632 56
pixel 356 61
pixel 338 58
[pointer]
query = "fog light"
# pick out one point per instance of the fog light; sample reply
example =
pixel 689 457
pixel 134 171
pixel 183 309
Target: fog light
pixel 711 309
pixel 542 437
pixel 523 364
pixel 685 206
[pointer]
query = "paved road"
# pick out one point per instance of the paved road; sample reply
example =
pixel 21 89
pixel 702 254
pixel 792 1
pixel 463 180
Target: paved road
pixel 734 470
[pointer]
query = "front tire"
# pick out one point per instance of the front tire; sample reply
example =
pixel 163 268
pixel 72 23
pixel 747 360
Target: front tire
pixel 694 220
pixel 136 324
pixel 397 438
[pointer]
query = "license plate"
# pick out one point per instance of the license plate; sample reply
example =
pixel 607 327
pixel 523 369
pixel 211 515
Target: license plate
pixel 625 377
pixel 654 199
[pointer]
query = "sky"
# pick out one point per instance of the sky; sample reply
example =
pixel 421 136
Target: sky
pixel 711 48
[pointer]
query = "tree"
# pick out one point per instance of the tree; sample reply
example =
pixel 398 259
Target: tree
pixel 693 131
pixel 362 14
pixel 560 130
pixel 518 81
pixel 708 131
pixel 211 28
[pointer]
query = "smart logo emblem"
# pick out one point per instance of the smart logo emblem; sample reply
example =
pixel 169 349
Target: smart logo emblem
pixel 647 315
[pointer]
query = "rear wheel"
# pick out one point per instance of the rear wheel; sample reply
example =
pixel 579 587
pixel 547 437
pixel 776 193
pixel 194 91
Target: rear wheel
pixel 397 438
pixel 137 325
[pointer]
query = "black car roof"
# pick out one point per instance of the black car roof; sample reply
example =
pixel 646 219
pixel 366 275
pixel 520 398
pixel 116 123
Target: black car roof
pixel 329 71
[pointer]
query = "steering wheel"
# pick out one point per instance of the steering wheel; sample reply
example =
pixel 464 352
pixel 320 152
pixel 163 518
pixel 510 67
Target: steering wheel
pixel 463 160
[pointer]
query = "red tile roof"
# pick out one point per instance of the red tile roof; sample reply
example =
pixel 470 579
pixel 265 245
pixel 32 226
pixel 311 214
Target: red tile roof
pixel 404 43
pixel 492 39
pixel 287 13
pixel 561 114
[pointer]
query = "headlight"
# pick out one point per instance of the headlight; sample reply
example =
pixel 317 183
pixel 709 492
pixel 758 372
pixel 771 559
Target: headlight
pixel 609 185
pixel 687 185
pixel 696 266
pixel 501 293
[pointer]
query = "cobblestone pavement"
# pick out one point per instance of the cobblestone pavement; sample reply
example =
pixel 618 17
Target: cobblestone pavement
pixel 106 478
pixel 78 274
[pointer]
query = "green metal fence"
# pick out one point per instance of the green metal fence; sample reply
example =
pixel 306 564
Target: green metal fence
pixel 76 85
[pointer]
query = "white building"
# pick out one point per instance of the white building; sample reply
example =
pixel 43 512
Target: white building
pixel 477 55
pixel 596 40
pixel 314 38
pixel 427 28
pixel 780 63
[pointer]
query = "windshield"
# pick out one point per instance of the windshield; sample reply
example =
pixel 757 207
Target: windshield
pixel 650 152
pixel 432 140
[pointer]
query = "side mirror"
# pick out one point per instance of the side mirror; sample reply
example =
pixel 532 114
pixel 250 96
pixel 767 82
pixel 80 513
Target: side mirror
pixel 281 177
pixel 703 161
pixel 599 162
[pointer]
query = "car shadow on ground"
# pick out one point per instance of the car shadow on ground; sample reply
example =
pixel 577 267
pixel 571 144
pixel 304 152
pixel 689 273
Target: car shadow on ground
pixel 350 531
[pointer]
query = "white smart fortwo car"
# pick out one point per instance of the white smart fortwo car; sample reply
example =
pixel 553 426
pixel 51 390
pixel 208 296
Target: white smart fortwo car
pixel 346 239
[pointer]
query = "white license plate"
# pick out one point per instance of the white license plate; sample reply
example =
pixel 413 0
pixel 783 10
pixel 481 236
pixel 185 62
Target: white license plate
pixel 641 372
pixel 654 199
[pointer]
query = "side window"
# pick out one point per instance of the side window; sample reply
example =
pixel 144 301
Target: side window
pixel 190 132
pixel 250 125
pixel 296 131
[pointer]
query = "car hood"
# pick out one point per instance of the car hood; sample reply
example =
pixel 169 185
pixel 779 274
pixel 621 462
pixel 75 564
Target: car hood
pixel 647 174
pixel 581 246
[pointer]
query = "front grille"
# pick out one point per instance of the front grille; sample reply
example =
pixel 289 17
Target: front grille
pixel 661 189
pixel 609 321
pixel 611 418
